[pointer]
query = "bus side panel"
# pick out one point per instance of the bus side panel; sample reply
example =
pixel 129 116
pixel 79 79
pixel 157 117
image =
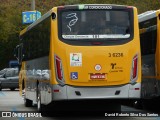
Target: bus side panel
pixel 37 78
pixel 158 54
pixel 54 32
pixel 137 39
pixel 36 50
pixel 149 55
pixel 148 70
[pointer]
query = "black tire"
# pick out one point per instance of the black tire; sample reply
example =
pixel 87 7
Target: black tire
pixel 12 89
pixel 137 104
pixel 149 104
pixel 0 87
pixel 27 102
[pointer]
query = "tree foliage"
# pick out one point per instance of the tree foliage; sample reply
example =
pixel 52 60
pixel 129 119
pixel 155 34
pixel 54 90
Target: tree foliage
pixel 11 18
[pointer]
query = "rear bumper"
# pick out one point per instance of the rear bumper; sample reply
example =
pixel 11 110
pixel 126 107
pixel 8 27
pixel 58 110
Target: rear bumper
pixel 113 92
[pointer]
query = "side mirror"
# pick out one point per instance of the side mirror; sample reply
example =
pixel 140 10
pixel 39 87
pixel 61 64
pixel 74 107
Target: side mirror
pixel 18 53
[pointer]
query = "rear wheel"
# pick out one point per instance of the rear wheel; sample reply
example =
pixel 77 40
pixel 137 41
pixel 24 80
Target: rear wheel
pixel 150 104
pixel 137 104
pixel 12 89
pixel 27 102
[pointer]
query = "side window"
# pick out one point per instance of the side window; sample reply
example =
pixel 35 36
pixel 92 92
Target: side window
pixel 36 42
pixel 148 39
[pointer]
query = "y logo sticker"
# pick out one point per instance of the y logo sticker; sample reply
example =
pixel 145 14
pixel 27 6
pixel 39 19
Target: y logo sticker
pixel 113 65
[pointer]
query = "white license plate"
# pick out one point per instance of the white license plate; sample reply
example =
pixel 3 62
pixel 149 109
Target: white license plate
pixel 98 76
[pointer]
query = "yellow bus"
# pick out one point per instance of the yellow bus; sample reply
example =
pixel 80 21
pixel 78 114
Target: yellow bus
pixel 149 25
pixel 81 52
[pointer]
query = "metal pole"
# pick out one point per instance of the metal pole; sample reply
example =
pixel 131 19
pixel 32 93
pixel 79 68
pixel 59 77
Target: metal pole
pixel 32 5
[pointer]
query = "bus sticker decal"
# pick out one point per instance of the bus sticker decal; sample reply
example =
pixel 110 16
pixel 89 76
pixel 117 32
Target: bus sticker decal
pixel 96 7
pixel 74 75
pixel 94 36
pixel 75 59
pixel 115 68
pixel 98 67
pixel 113 65
pixel 74 19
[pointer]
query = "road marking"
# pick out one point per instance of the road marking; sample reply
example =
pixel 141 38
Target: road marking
pixel 2 94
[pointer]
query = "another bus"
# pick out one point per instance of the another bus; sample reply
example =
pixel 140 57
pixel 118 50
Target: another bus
pixel 81 52
pixel 149 25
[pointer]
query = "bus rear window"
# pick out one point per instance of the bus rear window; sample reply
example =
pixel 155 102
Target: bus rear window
pixel 96 24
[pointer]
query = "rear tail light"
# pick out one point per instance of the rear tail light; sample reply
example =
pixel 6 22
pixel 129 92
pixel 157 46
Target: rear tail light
pixel 60 8
pixel 129 7
pixel 136 88
pixel 59 70
pixel 134 68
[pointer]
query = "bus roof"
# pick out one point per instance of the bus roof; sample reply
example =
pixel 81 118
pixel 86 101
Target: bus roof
pixel 147 15
pixel 98 5
pixel 46 15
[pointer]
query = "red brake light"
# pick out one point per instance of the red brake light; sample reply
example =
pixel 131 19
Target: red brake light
pixel 129 7
pixel 56 90
pixel 59 68
pixel 134 66
pixel 136 89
